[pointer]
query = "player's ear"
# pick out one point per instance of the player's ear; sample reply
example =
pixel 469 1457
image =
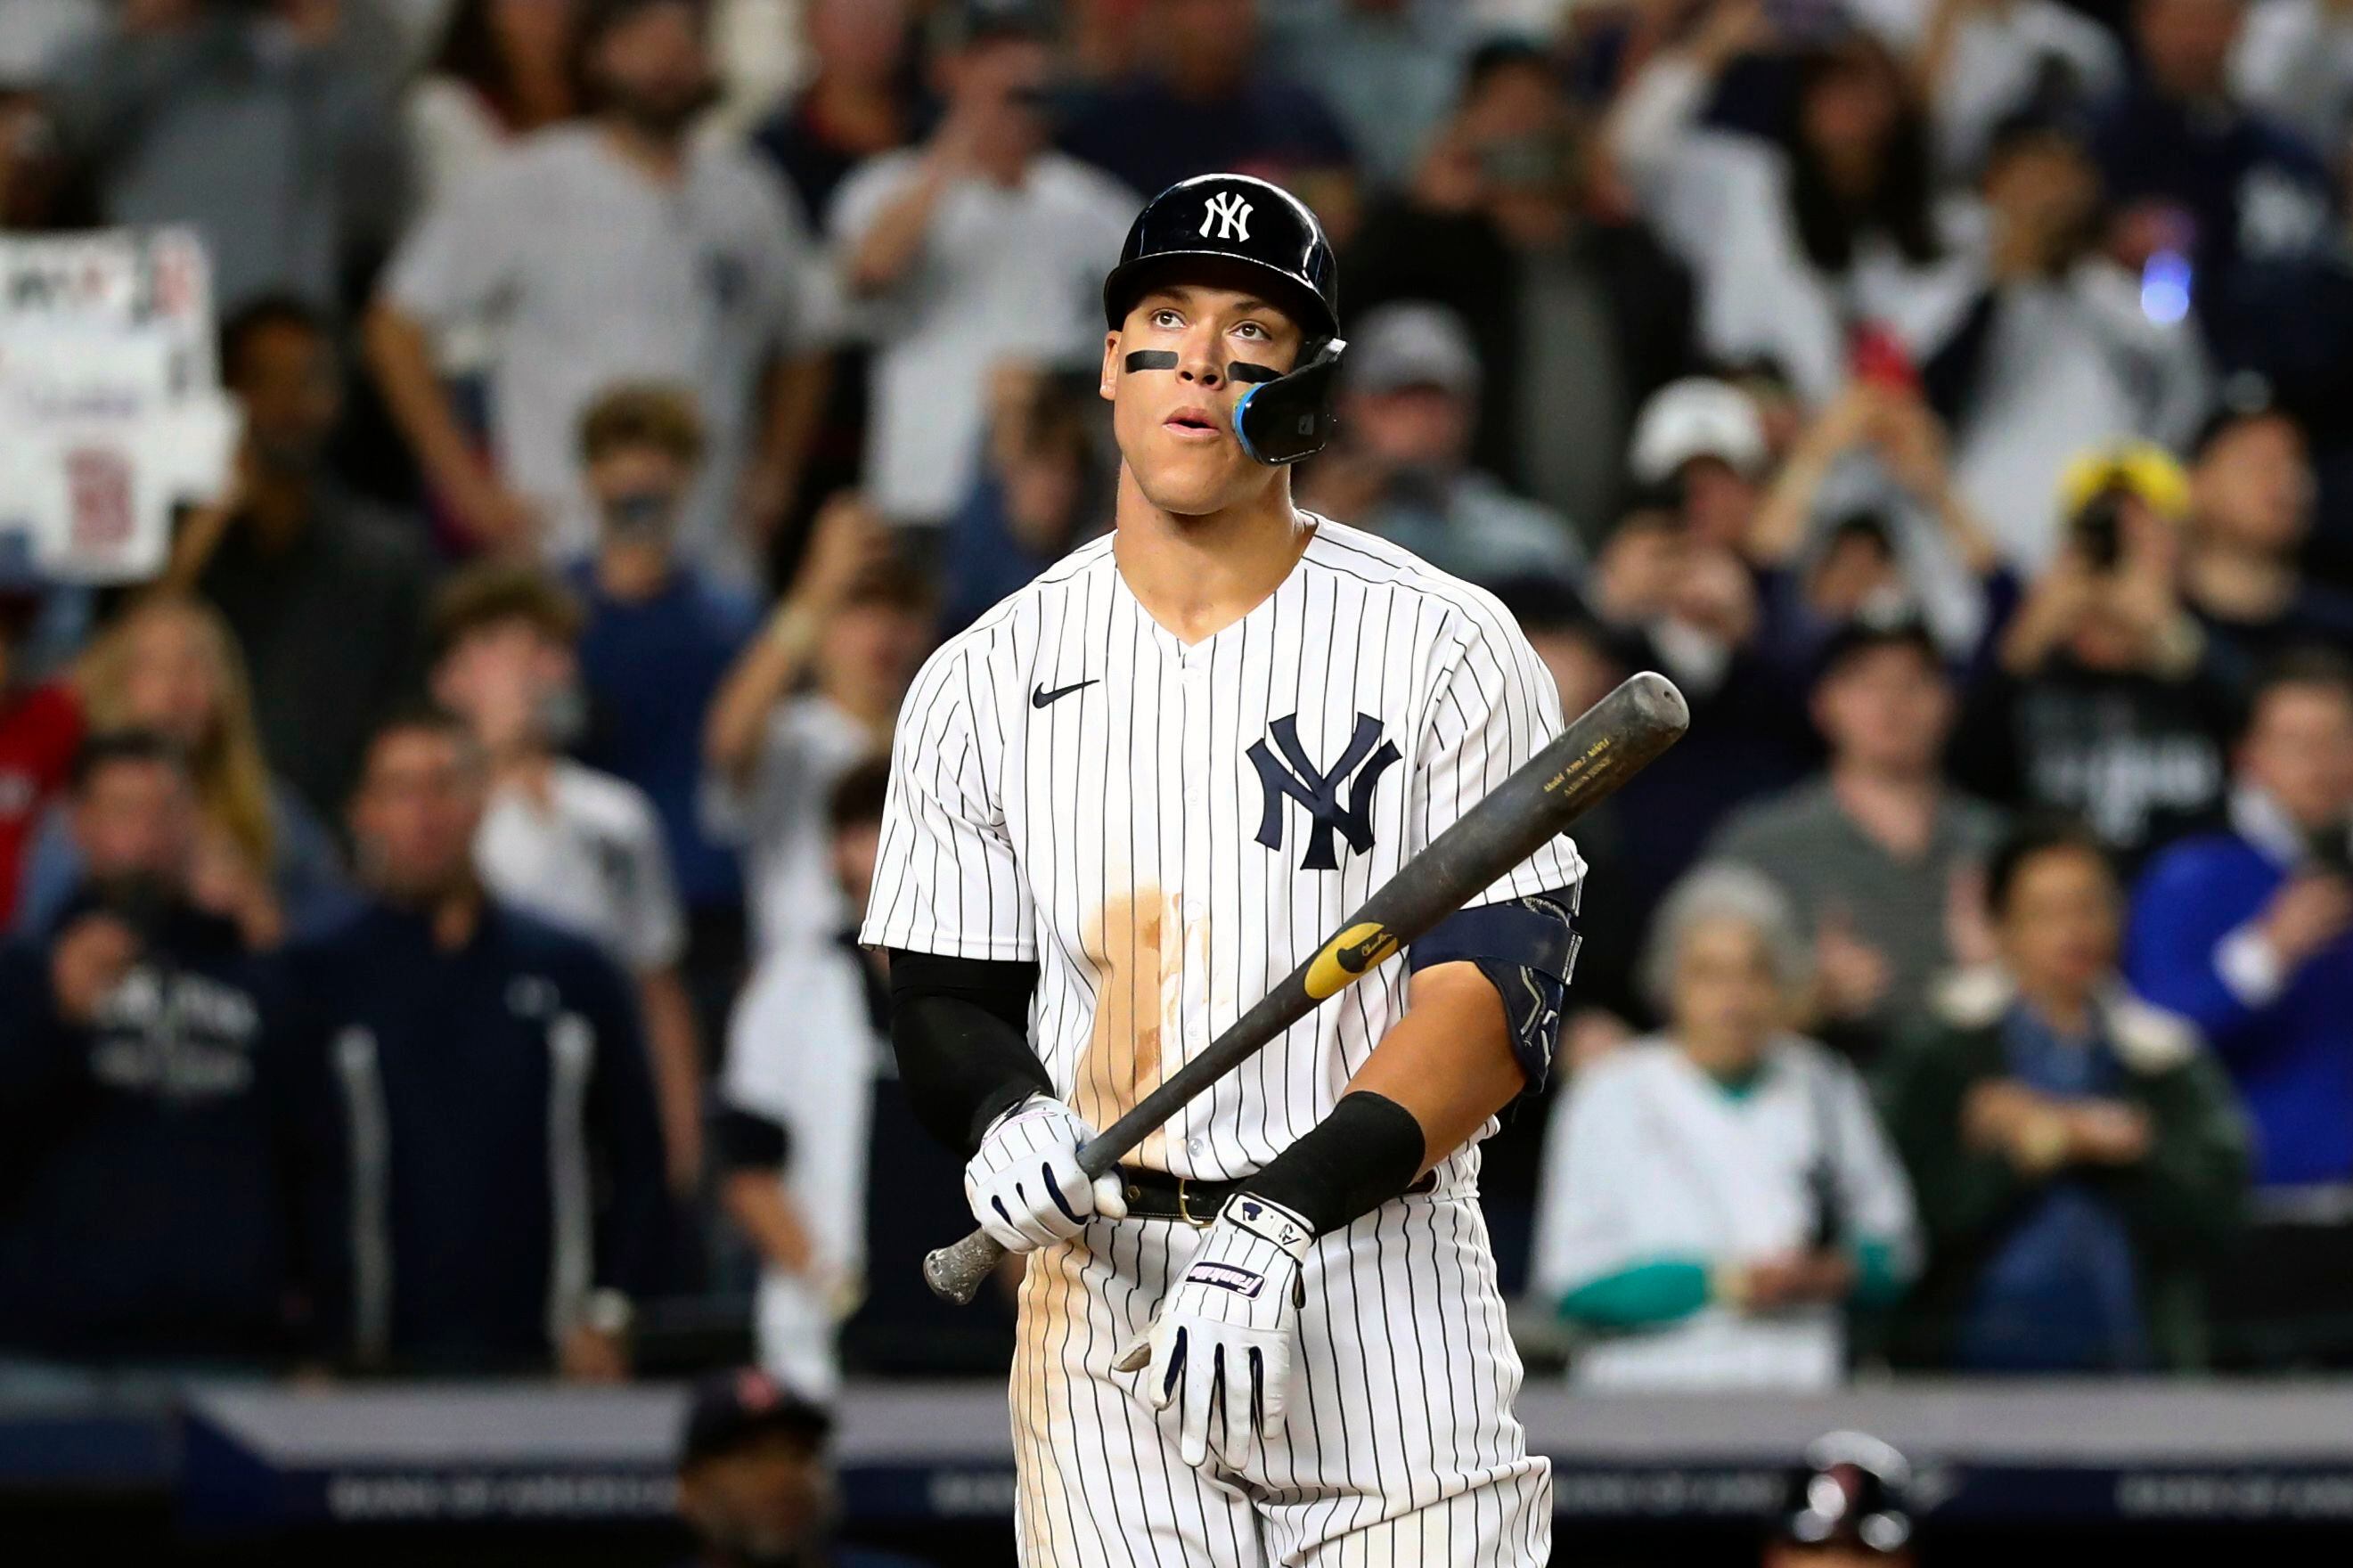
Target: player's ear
pixel 1109 388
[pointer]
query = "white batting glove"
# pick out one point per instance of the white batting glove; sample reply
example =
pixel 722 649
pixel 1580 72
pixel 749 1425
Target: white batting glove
pixel 1220 1348
pixel 1025 1185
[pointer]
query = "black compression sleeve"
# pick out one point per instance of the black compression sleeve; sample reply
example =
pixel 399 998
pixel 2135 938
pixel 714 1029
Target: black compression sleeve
pixel 959 1027
pixel 1366 1152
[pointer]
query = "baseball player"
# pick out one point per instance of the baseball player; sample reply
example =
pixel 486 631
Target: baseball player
pixel 1124 804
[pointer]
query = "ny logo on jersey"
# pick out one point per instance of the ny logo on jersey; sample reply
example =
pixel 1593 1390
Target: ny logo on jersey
pixel 1229 213
pixel 1319 792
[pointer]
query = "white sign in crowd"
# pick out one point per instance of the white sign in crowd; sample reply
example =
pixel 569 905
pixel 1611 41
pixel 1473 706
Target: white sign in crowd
pixel 111 408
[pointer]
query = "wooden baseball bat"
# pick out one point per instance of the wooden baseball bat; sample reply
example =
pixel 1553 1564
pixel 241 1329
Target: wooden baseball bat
pixel 1584 764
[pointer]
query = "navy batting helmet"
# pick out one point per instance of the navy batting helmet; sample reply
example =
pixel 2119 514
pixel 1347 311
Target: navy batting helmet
pixel 1237 221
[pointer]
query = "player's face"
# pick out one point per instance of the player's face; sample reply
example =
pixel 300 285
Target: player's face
pixel 1175 427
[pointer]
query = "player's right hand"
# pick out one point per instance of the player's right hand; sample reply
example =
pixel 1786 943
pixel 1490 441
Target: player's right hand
pixel 1025 1185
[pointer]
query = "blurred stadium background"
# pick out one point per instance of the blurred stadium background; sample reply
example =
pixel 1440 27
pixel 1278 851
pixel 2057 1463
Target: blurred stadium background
pixel 1951 394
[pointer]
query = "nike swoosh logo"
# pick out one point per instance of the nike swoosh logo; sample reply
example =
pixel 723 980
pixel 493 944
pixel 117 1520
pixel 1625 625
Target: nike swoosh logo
pixel 1041 697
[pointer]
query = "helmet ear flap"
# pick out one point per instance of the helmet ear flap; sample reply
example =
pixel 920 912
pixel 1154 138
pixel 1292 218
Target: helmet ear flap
pixel 1282 421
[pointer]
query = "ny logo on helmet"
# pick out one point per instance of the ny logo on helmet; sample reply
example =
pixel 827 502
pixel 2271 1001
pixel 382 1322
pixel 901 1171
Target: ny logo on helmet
pixel 1318 790
pixel 1229 213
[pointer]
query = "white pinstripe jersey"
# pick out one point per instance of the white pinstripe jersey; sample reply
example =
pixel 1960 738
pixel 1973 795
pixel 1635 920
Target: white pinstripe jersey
pixel 1169 830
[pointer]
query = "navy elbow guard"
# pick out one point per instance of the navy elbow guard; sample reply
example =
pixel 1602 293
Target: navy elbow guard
pixel 1526 948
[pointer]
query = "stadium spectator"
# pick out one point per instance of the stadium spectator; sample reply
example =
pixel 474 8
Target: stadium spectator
pixel 2252 495
pixel 1700 446
pixel 2294 63
pixel 817 690
pixel 2057 352
pixel 32 34
pixel 618 249
pixel 1045 485
pixel 269 127
pixel 1900 537
pixel 1689 605
pixel 502 69
pixel 810 1034
pixel 2249 932
pixel 502 1160
pixel 576 848
pixel 170 665
pixel 2077 1155
pixel 2105 699
pixel 984 244
pixel 1980 62
pixel 1880 858
pixel 754 1483
pixel 1715 1194
pixel 862 102
pixel 1824 247
pixel 1577 313
pixel 325 590
pixel 1388 69
pixel 1207 99
pixel 656 636
pixel 150 1097
pixel 2218 203
pixel 40 730
pixel 1408 405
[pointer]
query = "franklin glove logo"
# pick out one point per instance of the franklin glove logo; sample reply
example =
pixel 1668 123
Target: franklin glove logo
pixel 1242 1282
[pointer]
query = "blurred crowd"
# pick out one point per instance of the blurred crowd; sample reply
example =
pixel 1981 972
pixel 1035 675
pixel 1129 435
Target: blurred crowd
pixel 432 898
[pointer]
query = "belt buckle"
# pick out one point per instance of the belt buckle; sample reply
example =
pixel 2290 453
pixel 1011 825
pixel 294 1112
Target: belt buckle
pixel 1184 1207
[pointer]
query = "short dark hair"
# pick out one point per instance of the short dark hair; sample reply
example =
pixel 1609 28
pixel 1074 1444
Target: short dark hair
pixel 106 748
pixel 858 796
pixel 2040 834
pixel 1496 56
pixel 895 584
pixel 598 17
pixel 2308 664
pixel 419 717
pixel 642 413
pixel 485 595
pixel 1864 634
pixel 249 322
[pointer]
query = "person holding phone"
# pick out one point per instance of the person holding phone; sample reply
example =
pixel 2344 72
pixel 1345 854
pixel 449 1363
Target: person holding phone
pixel 2105 698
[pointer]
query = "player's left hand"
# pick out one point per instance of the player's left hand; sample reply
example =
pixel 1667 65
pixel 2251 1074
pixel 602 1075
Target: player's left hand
pixel 1220 1349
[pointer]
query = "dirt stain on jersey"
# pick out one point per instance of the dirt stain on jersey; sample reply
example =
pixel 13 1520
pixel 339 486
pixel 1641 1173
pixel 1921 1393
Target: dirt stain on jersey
pixel 1128 942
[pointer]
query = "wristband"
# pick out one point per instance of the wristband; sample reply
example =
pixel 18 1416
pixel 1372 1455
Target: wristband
pixel 1369 1149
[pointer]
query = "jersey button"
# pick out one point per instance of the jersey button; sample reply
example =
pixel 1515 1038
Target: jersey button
pixel 1196 1146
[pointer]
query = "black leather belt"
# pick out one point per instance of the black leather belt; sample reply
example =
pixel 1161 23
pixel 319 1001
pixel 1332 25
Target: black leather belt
pixel 1157 1194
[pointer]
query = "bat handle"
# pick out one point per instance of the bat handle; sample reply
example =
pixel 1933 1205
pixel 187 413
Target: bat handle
pixel 955 1272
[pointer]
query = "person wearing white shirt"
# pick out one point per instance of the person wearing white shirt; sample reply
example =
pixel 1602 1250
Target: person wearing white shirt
pixel 617 250
pixel 1811 248
pixel 982 245
pixel 1713 1195
pixel 578 848
pixel 1981 61
pixel 856 624
pixel 803 1047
